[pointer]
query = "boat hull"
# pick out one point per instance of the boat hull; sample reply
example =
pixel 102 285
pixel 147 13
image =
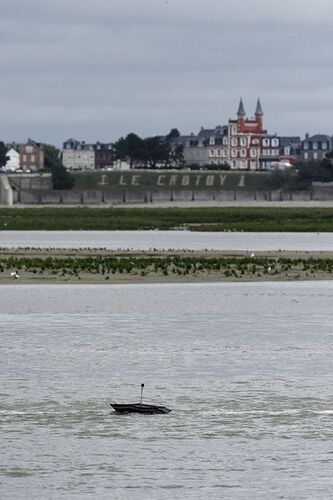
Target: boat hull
pixel 140 408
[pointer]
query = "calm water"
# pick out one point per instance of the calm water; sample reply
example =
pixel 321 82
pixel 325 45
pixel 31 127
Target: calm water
pixel 246 368
pixel 164 240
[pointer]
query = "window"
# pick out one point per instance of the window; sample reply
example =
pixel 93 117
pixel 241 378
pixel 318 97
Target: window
pixel 32 158
pixel 255 141
pixel 234 130
pixel 218 152
pixel 243 141
pixel 234 141
pixel 306 145
pixel 253 153
pixel 243 153
pixel 29 149
pixel 275 142
pixel 266 152
pixel 265 142
pixel 212 152
pixel 306 156
pixel 315 156
pixel 287 150
pixel 225 140
pixel 234 153
pixel 212 141
pixel 324 145
pixel 315 145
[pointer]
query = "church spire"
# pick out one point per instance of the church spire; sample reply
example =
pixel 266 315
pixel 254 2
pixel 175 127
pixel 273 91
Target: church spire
pixel 259 111
pixel 241 110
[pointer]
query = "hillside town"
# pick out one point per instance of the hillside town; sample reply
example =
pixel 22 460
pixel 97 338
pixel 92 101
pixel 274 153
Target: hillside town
pixel 241 144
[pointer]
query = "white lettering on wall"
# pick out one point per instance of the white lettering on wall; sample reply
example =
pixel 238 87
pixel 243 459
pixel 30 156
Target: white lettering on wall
pixel 222 179
pixel 160 181
pixel 241 183
pixel 122 181
pixel 210 180
pixel 197 179
pixel 173 180
pixel 103 181
pixel 136 180
pixel 185 180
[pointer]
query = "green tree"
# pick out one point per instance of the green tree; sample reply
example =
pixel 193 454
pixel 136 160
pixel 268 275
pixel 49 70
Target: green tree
pixel 131 149
pixel 320 171
pixel 62 179
pixel 156 151
pixel 3 154
pixel 176 150
pixel 173 134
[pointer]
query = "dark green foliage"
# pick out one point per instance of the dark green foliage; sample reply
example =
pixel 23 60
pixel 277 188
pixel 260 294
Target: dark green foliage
pixel 3 154
pixel 150 151
pixel 62 179
pixel 319 171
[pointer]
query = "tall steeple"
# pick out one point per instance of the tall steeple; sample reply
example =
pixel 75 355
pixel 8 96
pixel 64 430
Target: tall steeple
pixel 259 111
pixel 241 111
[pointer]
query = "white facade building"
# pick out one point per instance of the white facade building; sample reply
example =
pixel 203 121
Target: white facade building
pixel 78 155
pixel 13 162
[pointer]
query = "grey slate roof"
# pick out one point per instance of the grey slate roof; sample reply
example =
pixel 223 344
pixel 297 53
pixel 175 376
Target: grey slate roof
pixel 319 138
pixel 241 110
pixel 259 111
pixel 286 140
pixel 206 132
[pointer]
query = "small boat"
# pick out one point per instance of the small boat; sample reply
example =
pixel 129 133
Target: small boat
pixel 139 407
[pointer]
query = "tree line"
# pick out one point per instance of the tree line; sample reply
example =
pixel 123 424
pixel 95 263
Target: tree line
pixel 150 152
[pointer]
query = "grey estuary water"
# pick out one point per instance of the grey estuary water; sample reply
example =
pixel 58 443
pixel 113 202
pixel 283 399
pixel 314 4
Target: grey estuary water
pixel 165 240
pixel 246 368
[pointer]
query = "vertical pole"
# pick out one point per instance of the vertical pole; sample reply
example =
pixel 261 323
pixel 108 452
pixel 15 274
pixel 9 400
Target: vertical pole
pixel 142 386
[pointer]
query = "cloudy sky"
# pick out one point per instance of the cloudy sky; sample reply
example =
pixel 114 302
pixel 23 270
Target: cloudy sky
pixel 98 69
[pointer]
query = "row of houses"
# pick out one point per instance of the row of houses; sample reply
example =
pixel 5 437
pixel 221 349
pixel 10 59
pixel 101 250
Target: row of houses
pixel 28 157
pixel 243 143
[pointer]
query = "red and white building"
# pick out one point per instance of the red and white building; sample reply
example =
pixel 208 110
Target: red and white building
pixel 241 147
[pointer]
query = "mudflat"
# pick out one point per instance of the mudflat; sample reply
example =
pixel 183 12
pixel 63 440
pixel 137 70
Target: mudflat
pixel 101 266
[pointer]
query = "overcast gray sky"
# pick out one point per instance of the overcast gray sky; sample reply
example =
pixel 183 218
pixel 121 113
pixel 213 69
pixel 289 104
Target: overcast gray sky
pixel 99 69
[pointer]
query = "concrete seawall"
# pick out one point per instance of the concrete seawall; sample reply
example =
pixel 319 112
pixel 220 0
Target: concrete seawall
pixel 154 197
pixel 37 190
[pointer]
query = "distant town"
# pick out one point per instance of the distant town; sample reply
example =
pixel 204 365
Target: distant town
pixel 242 144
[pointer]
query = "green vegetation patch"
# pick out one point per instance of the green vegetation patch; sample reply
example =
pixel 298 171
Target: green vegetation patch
pixel 198 219
pixel 224 267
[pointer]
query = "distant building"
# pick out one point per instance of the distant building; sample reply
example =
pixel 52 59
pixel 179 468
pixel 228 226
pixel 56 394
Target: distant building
pixel 77 155
pixel 216 142
pixel 103 155
pixel 31 156
pixel 316 147
pixel 13 155
pixel 244 139
pixel 270 152
pixel 194 148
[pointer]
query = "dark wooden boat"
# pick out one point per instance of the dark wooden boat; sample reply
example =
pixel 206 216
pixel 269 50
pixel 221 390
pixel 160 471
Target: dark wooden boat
pixel 140 407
